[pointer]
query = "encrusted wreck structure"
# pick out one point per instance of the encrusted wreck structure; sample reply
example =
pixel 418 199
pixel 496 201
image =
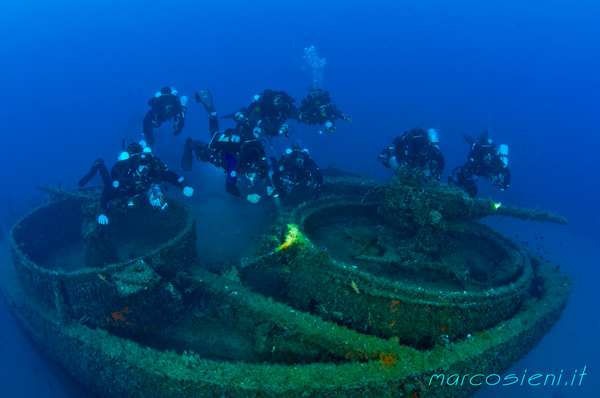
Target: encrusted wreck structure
pixel 370 291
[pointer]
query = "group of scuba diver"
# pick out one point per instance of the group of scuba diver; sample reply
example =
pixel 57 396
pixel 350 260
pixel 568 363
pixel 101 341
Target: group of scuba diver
pixel 240 151
pixel 419 149
pixel 140 178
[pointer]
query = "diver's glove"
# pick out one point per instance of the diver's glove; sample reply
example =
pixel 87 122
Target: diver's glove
pixel 188 191
pixel 284 129
pixel 347 118
pixel 271 191
pixel 330 126
pixel 102 219
pixel 253 198
pixel 240 118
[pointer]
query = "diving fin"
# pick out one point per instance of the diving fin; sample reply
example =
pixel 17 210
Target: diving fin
pixel 85 179
pixel 274 163
pixel 93 170
pixel 469 139
pixel 231 188
pixel 188 158
pixel 205 97
pixel 186 162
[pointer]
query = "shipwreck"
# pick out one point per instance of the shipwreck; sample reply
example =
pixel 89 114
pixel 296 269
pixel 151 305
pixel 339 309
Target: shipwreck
pixel 369 291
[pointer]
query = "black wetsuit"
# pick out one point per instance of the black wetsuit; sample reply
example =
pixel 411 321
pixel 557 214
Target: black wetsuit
pixel 296 170
pixel 414 150
pixel 128 182
pixel 234 151
pixel 164 107
pixel 317 108
pixel 483 161
pixel 270 111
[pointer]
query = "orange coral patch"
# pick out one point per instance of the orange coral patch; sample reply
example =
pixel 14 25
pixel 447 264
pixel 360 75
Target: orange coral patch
pixel 117 316
pixel 387 359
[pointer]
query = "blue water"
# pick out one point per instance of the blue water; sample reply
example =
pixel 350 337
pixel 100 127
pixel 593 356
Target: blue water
pixel 75 78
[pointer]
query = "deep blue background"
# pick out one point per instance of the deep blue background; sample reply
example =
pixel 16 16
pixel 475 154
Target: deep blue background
pixel 75 78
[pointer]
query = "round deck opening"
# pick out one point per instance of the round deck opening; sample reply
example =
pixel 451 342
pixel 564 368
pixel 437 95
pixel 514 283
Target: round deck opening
pixel 117 276
pixel 359 236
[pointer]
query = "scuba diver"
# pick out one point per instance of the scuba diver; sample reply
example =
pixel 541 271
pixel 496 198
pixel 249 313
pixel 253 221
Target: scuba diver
pixel 486 159
pixel 317 108
pixel 416 149
pixel 239 152
pixel 164 105
pixel 137 175
pixel 296 175
pixel 268 113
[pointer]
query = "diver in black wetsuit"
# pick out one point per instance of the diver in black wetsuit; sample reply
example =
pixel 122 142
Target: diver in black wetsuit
pixel 268 113
pixel 239 152
pixel 297 175
pixel 165 105
pixel 416 149
pixel 137 174
pixel 486 159
pixel 317 108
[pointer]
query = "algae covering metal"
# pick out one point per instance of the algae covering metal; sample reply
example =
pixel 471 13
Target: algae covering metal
pixel 304 315
pixel 100 274
pixel 350 268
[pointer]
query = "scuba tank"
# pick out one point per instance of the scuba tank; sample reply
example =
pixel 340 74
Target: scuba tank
pixel 503 153
pixel 156 196
pixel 432 134
pixel 393 162
pixel 226 141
